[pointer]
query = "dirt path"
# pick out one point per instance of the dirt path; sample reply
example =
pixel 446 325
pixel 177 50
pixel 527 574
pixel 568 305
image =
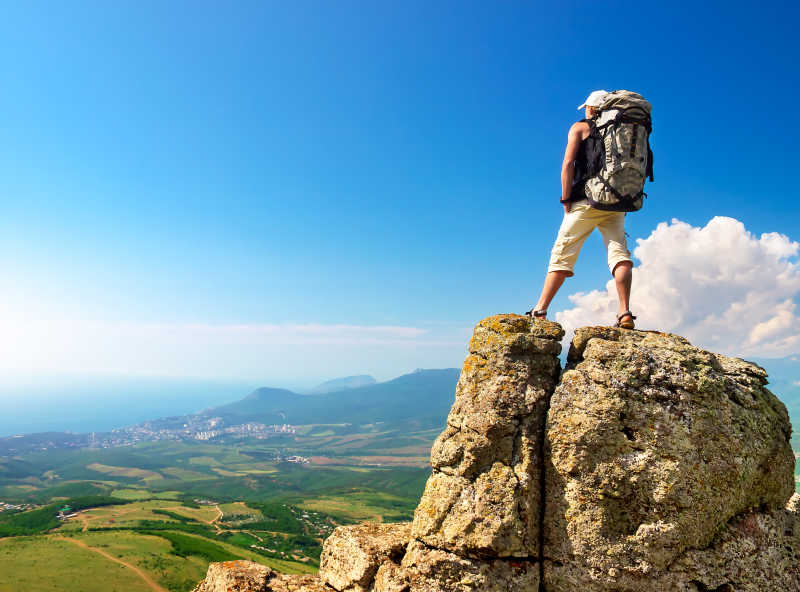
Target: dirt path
pixel 214 521
pixel 219 515
pixel 146 578
pixel 252 534
pixel 84 519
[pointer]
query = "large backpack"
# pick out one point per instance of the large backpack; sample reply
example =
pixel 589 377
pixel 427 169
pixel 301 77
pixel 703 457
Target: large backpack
pixel 622 158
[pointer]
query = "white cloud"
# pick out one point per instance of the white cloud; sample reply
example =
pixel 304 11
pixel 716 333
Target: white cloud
pixel 719 286
pixel 796 383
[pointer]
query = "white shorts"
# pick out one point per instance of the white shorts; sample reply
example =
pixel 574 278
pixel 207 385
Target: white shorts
pixel 578 224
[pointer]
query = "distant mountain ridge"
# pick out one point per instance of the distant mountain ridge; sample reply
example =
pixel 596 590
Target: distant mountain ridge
pixel 419 400
pixel 340 384
pixel 422 397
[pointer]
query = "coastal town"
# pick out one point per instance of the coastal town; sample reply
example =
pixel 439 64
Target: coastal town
pixel 189 428
pixel 9 507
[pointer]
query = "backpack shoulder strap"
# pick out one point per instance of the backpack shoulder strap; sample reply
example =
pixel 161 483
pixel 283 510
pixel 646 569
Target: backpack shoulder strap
pixel 592 126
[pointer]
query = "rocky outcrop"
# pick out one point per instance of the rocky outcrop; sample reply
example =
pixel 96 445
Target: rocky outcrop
pixel 484 497
pixel 653 446
pixel 353 554
pixel 248 576
pixel 646 465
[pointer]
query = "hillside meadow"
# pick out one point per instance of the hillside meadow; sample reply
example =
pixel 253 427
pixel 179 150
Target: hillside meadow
pixel 152 516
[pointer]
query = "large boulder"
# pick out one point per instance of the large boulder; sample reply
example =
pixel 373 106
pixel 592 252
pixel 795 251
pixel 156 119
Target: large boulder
pixel 652 446
pixel 754 552
pixel 483 498
pixel 426 569
pixel 248 576
pixel 235 576
pixel 351 555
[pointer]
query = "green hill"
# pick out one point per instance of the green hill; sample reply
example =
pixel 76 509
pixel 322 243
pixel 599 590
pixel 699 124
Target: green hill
pixel 423 397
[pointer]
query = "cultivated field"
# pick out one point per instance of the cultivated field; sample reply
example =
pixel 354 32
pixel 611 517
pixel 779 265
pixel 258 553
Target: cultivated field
pixel 52 564
pixel 163 511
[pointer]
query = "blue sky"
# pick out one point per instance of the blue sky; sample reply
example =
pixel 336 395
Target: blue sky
pixel 291 191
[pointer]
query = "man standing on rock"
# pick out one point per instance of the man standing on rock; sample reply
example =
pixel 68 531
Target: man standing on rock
pixel 594 148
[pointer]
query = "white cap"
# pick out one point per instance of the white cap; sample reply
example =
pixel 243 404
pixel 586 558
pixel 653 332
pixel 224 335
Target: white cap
pixel 595 99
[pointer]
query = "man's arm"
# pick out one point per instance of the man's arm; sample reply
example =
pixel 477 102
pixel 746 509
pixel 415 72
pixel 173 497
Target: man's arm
pixel 577 133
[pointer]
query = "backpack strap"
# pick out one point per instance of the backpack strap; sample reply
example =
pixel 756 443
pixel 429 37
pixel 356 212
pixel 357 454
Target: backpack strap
pixel 592 125
pixel 626 201
pixel 579 181
pixel 633 115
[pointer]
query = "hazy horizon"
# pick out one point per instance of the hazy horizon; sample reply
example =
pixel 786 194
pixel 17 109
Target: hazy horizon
pixel 87 403
pixel 84 404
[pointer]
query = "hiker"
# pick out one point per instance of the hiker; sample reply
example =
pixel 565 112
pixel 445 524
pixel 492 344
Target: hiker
pixel 605 164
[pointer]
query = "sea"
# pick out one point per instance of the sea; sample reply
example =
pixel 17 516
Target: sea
pixel 98 404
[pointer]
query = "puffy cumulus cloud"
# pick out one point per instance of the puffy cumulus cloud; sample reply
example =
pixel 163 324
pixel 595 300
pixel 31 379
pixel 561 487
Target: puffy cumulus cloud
pixel 719 286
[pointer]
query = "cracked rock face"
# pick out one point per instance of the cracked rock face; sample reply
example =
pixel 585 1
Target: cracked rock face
pixel 649 465
pixel 483 498
pixel 754 552
pixel 653 445
pixel 427 569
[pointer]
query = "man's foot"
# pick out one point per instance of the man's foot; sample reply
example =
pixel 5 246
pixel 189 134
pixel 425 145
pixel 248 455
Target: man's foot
pixel 537 314
pixel 625 320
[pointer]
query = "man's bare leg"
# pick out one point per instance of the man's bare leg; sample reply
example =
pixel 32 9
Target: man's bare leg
pixel 623 276
pixel 552 282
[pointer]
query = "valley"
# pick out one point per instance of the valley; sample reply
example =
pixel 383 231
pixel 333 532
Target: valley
pixel 158 512
pixel 148 507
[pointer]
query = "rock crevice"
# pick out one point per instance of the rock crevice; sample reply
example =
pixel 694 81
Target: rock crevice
pixel 647 465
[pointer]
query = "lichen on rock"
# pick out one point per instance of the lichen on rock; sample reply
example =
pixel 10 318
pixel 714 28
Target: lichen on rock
pixel 653 445
pixel 352 554
pixel 483 498
pixel 249 576
pixel 429 569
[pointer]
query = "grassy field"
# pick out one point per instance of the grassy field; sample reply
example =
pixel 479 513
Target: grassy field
pixel 47 563
pixel 205 514
pixel 116 516
pixel 238 509
pixel 223 472
pixel 174 507
pixel 132 472
pixel 75 556
pixel 141 494
pixel 363 506
pixel 252 506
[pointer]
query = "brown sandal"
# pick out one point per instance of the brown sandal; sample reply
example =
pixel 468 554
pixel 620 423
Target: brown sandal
pixel 625 324
pixel 537 314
